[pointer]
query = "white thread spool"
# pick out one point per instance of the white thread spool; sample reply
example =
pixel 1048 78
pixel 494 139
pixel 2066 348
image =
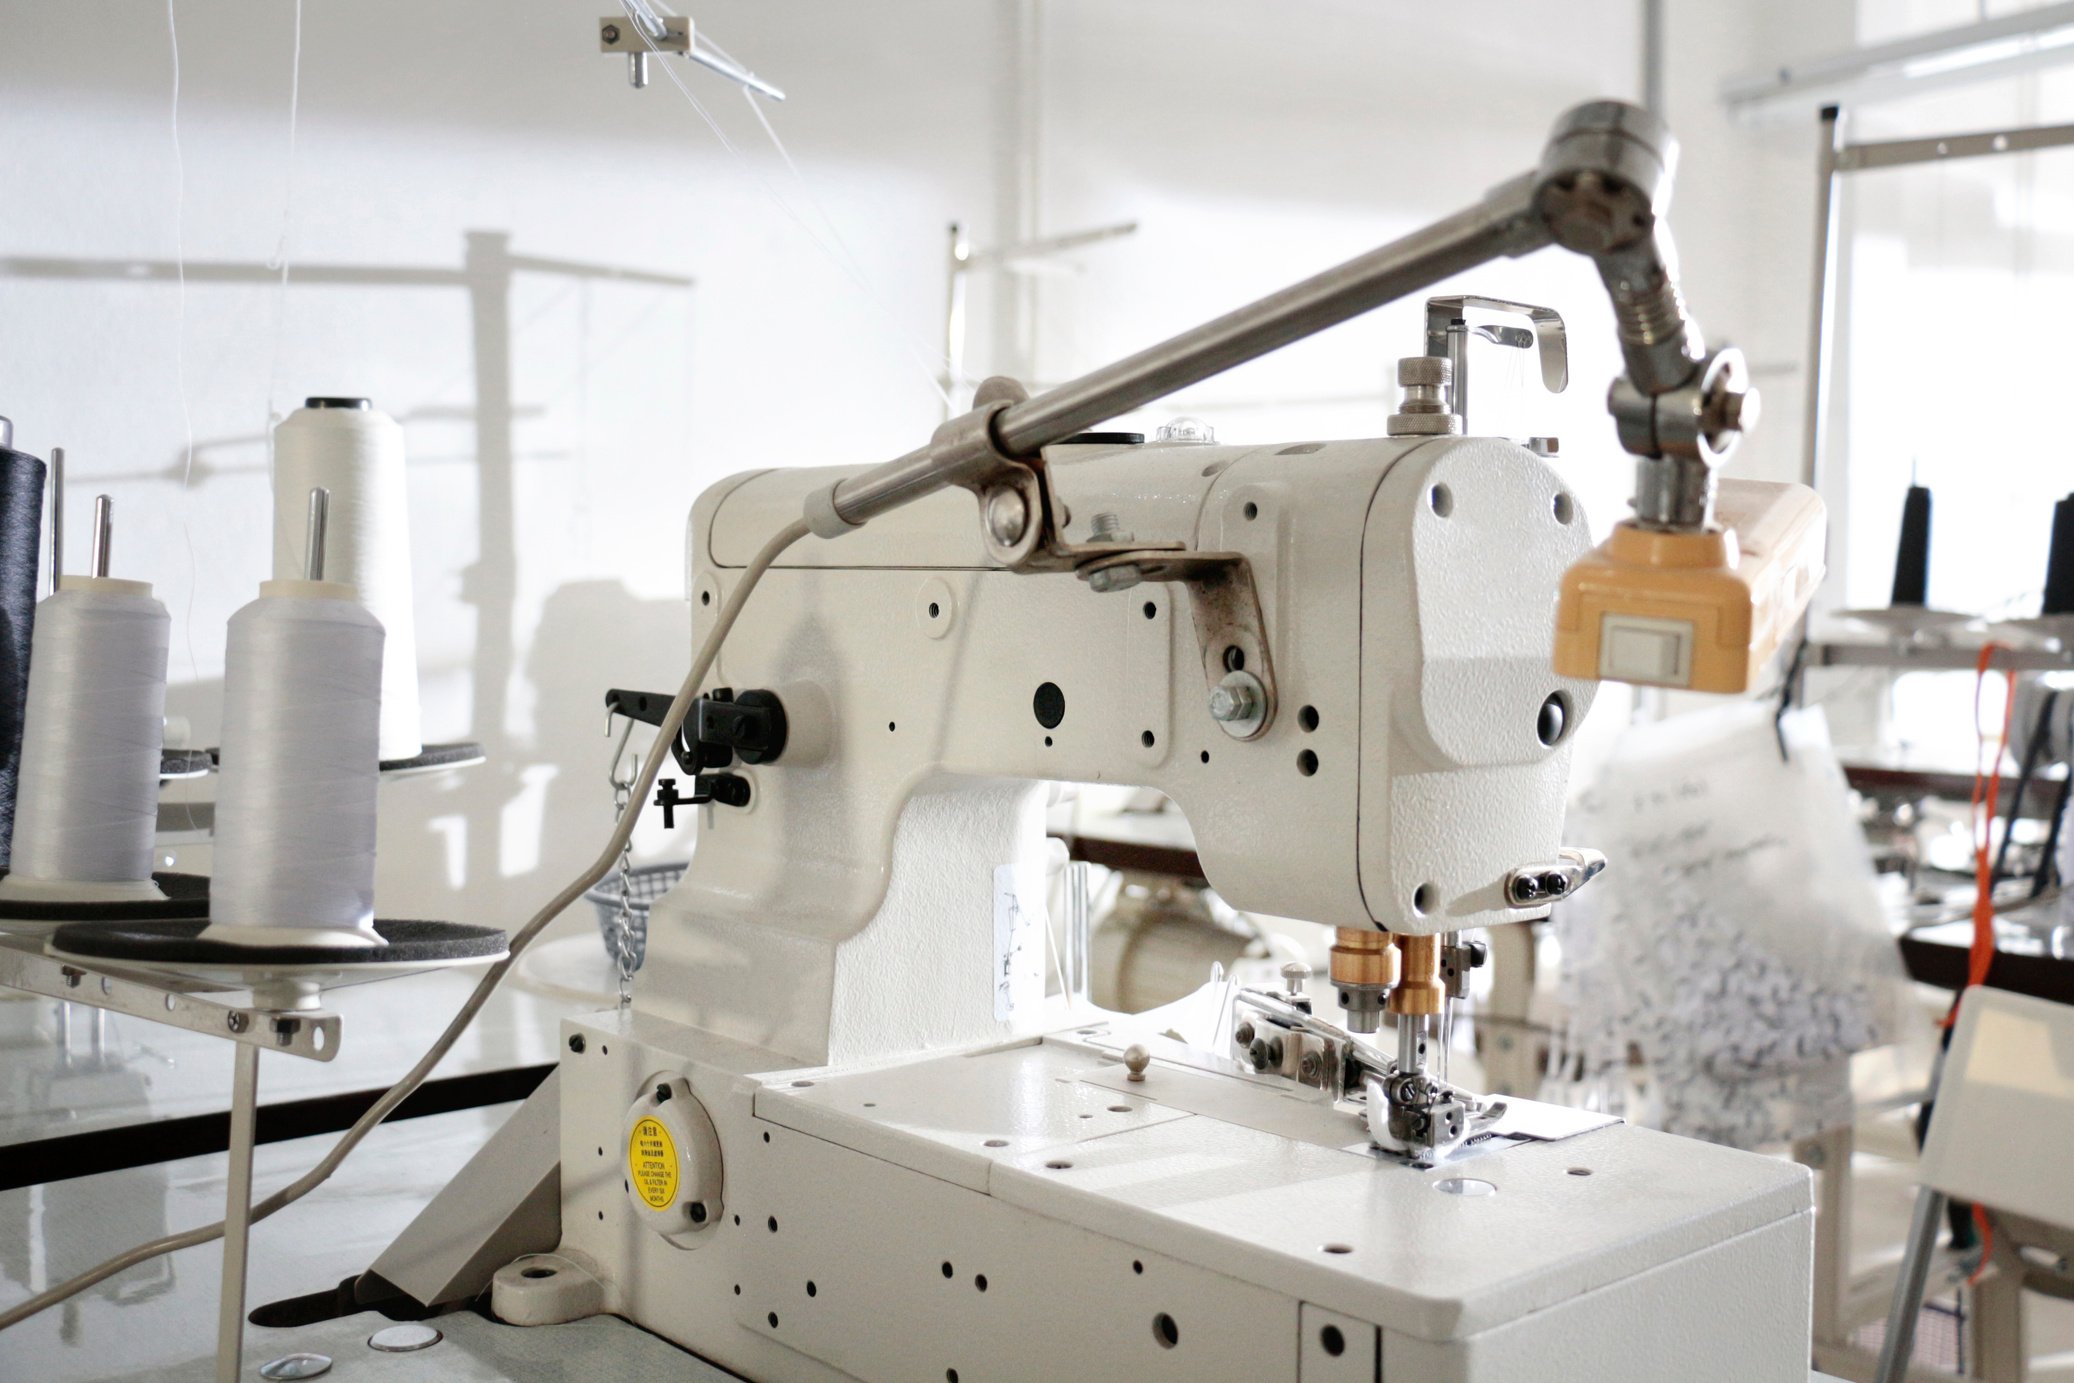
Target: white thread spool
pixel 356 453
pixel 295 803
pixel 87 808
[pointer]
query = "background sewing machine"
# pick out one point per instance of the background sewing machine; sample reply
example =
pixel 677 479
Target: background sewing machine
pixel 843 1132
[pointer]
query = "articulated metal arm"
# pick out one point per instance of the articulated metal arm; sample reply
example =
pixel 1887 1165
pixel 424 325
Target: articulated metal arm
pixel 1600 190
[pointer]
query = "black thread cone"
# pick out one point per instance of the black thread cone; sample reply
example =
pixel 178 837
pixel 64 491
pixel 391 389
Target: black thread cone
pixel 21 543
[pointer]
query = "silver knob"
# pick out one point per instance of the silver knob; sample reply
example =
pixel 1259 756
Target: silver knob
pixel 1293 976
pixel 1136 1058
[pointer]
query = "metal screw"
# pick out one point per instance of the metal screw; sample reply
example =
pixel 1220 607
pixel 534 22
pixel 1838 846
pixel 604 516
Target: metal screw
pixel 1311 1069
pixel 1243 1035
pixel 662 1094
pixel 1107 528
pixel 610 33
pixel 237 1021
pixel 576 1043
pixel 1525 889
pixel 1293 976
pixel 72 977
pixel 1554 885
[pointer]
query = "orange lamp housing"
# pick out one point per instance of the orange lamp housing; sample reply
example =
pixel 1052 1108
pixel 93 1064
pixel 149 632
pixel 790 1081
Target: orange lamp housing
pixel 1698 611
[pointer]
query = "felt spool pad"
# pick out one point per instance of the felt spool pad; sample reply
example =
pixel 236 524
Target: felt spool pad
pixel 179 942
pixel 187 895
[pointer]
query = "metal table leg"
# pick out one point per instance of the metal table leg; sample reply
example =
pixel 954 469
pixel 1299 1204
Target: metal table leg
pixel 237 1216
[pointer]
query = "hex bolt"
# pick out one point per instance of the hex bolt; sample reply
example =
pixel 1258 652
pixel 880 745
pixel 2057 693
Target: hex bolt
pixel 610 33
pixel 237 1021
pixel 1232 702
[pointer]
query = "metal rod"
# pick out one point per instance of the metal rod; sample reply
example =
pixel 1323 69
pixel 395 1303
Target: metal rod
pixel 313 534
pixel 57 516
pixel 1077 931
pixel 1988 38
pixel 1900 153
pixel 1501 224
pixel 104 534
pixel 1821 298
pixel 237 1217
pixel 1899 1346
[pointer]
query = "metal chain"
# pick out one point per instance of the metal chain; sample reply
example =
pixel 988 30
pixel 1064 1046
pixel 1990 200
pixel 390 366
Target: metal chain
pixel 623 919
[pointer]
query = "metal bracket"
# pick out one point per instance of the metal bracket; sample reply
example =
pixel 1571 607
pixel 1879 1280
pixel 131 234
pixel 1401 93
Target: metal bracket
pixel 1447 334
pixel 312 1034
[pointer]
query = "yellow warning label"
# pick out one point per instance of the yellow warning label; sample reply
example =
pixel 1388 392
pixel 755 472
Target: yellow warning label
pixel 652 1163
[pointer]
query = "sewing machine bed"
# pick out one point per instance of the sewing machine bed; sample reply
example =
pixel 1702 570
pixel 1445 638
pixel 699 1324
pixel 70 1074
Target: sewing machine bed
pixel 1189 1221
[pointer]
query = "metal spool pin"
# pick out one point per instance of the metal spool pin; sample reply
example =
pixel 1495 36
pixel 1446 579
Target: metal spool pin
pixel 313 539
pixel 57 516
pixel 104 535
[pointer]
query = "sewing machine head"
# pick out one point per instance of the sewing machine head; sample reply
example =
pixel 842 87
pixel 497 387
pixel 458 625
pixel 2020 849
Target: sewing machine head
pixel 1336 657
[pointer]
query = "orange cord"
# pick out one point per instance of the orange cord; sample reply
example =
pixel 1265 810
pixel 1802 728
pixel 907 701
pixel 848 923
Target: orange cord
pixel 1987 793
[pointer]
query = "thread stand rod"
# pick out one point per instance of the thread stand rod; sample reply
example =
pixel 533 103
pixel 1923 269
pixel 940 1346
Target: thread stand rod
pixel 104 533
pixel 237 1217
pixel 313 547
pixel 57 516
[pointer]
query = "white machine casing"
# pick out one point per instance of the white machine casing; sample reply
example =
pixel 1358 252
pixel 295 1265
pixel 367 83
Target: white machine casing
pixel 1406 587
pixel 908 1162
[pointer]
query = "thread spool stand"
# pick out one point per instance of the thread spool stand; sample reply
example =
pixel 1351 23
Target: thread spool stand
pixel 152 968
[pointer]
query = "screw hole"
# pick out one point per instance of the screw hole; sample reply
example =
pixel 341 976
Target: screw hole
pixel 812 1290
pixel 1580 1171
pixel 1339 1248
pixel 1146 739
pixel 948 1271
pixel 738 1219
pixel 1565 508
pixel 1424 899
pixel 1138 1266
pixel 576 1043
pixel 1206 756
pixel 1047 741
pixel 1151 610
pixel 1058 1166
pixel 1234 658
pixel 705 597
pixel 997 1143
pixel 1306 763
pixel 1334 1343
pixel 773 1223
pixel 1166 1331
pixel 1119 1109
pixel 1308 718
pixel 537 1273
pixel 171 1002
pixel 950 1376
pixel 1251 511
pixel 1442 499
pixel 773 1319
pixel 935 610
pixel 802 1085
pixel 738 1289
pixel 601 1215
pixel 980 1282
pixel 766 1138
pixel 891 727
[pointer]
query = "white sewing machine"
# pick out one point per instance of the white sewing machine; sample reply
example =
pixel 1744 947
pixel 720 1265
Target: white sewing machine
pixel 845 1133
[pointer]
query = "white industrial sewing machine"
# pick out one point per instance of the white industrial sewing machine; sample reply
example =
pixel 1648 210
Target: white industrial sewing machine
pixel 844 1133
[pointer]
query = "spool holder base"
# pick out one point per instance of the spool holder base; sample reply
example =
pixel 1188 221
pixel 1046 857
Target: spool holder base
pixel 151 969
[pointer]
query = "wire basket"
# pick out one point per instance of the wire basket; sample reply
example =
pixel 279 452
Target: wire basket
pixel 645 884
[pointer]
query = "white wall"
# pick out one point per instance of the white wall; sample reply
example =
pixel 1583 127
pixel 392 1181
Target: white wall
pixel 1253 143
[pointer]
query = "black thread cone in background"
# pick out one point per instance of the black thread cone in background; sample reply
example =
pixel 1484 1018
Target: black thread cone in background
pixel 1912 555
pixel 21 545
pixel 2059 563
